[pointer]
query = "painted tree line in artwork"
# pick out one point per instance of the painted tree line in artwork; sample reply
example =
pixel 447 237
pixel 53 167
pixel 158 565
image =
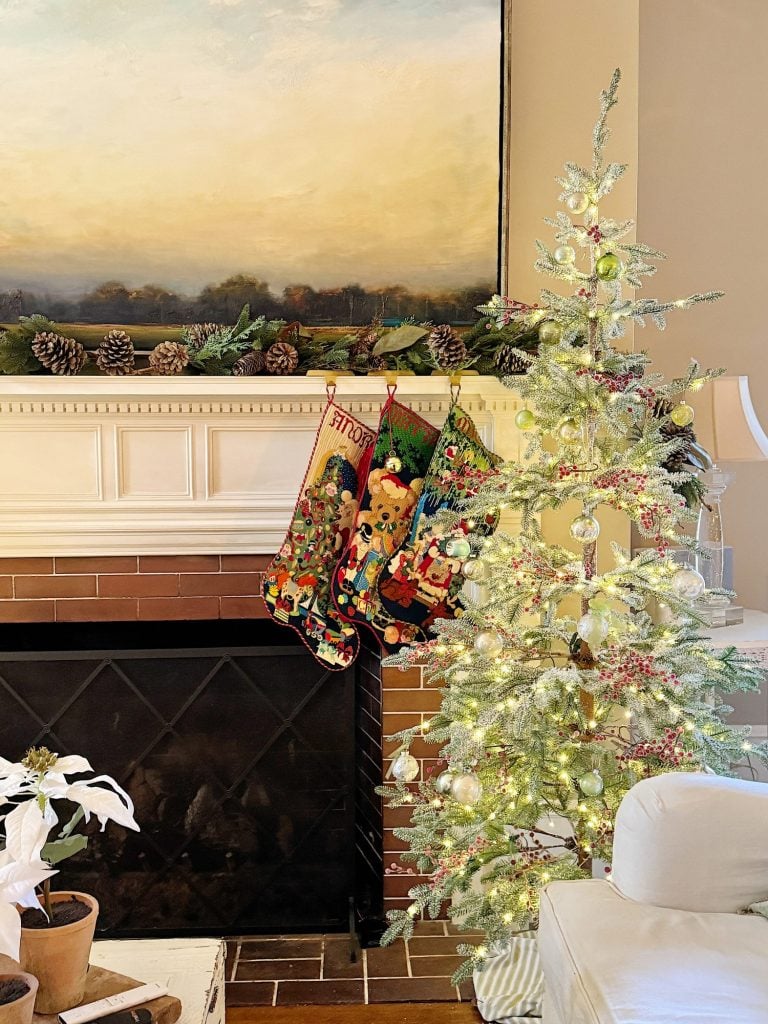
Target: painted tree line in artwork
pixel 115 303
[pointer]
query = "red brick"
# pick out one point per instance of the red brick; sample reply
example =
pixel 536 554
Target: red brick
pixel 179 563
pixel 393 845
pixel 411 700
pixel 97 564
pixel 55 586
pixel 112 610
pixel 242 608
pixel 19 566
pixel 6 586
pixel 419 748
pixel 398 885
pixel 397 817
pixel 193 584
pixel 395 721
pixel 245 563
pixel 139 585
pixel 161 608
pixel 395 679
pixel 27 611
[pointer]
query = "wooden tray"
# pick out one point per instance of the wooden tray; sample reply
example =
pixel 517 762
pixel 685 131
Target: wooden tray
pixel 102 983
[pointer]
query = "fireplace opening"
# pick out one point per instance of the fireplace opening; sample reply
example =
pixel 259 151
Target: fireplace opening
pixel 252 769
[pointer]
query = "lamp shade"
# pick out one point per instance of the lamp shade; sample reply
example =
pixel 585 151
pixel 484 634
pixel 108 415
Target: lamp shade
pixel 737 435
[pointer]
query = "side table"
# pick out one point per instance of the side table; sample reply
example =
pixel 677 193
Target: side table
pixel 192 968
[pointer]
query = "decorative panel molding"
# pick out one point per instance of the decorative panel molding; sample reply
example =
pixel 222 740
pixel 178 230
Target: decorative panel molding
pixel 178 465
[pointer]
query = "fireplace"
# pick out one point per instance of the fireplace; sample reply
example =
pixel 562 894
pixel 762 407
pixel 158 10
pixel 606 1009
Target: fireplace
pixel 136 517
pixel 238 750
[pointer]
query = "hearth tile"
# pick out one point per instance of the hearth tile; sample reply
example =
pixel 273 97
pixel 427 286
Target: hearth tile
pixel 309 993
pixel 467 991
pixel 139 585
pixel 221 584
pixel 250 993
pixel 27 611
pixel 6 586
pixel 26 566
pixel 231 958
pixel 433 945
pixel 435 966
pixel 281 949
pixel 395 679
pixel 55 586
pixel 158 609
pixel 387 961
pixel 242 608
pixel 411 990
pixel 179 563
pixel 470 935
pixel 278 970
pixel 245 563
pixel 429 927
pixel 336 962
pixel 99 564
pixel 412 700
pixel 107 610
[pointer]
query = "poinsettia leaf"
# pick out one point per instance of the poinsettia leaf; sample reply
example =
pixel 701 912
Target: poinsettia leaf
pixel 26 830
pixel 59 849
pixel 105 804
pixel 72 764
pixel 10 931
pixel 399 339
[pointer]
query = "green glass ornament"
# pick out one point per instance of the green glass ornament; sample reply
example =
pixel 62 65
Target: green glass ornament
pixel 592 783
pixel 608 267
pixel 458 547
pixel 550 332
pixel 525 420
pixel 600 603
pixel 682 415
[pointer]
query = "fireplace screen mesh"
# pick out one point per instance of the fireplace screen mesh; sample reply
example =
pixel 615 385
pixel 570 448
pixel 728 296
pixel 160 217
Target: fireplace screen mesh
pixel 240 761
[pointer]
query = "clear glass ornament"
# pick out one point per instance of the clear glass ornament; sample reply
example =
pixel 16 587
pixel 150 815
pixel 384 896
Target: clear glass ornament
pixel 405 767
pixel 585 529
pixel 467 789
pixel 489 643
pixel 474 569
pixel 688 584
pixel 577 203
pixel 569 432
pixel 564 254
pixel 443 783
pixel 591 784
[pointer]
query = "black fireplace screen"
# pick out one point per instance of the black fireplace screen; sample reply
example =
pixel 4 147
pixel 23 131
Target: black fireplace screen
pixel 240 761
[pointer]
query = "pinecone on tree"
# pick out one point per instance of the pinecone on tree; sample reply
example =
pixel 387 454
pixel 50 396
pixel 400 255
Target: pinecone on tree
pixel 677 461
pixel 62 356
pixel 510 360
pixel 250 364
pixel 168 358
pixel 447 348
pixel 282 358
pixel 115 355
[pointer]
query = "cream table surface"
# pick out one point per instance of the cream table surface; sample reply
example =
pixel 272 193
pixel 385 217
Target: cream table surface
pixel 193 969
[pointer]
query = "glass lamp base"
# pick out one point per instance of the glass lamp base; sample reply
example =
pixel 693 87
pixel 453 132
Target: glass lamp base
pixel 720 613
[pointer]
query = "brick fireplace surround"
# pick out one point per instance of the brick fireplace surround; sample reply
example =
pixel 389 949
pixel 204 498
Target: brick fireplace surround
pixel 154 588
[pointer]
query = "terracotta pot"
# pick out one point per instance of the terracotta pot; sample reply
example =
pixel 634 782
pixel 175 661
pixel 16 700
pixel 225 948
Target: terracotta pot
pixel 58 957
pixel 20 1011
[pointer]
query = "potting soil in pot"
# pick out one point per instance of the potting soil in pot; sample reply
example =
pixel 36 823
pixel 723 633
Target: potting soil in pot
pixel 64 912
pixel 12 989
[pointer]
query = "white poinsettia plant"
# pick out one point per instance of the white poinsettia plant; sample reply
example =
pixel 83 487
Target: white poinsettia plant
pixel 28 790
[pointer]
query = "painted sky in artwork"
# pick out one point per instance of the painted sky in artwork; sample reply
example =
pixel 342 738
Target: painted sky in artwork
pixel 180 141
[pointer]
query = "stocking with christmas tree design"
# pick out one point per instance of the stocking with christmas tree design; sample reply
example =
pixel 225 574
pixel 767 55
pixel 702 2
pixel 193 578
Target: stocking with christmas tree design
pixel 422 580
pixel 297 584
pixel 401 456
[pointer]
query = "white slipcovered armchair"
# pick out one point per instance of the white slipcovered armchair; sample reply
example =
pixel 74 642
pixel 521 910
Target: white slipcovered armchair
pixel 664 942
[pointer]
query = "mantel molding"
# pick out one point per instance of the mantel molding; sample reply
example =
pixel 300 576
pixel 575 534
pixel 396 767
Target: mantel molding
pixel 180 465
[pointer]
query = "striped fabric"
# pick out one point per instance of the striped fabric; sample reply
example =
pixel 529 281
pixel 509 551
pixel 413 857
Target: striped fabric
pixel 511 988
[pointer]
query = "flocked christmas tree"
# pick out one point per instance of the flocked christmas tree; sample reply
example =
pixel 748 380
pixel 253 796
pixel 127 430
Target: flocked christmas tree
pixel 561 688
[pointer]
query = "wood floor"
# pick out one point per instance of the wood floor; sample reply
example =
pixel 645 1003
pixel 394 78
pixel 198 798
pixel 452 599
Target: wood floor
pixel 402 1013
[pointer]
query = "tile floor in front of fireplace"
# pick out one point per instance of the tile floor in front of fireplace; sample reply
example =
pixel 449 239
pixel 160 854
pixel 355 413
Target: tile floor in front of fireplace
pixel 290 970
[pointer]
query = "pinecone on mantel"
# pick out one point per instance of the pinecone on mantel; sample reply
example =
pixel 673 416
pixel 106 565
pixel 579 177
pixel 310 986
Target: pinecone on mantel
pixel 282 358
pixel 62 356
pixel 168 358
pixel 115 355
pixel 447 348
pixel 250 364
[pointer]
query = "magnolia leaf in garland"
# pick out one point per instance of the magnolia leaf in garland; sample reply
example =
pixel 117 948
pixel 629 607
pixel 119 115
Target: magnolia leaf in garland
pixel 399 339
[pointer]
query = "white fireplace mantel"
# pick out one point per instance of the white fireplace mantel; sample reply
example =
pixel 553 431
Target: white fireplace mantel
pixel 178 465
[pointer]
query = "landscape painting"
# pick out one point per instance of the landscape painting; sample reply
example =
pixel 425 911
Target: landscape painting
pixel 329 161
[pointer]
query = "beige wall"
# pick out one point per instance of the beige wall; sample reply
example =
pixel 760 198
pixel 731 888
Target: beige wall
pixel 561 56
pixel 702 199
